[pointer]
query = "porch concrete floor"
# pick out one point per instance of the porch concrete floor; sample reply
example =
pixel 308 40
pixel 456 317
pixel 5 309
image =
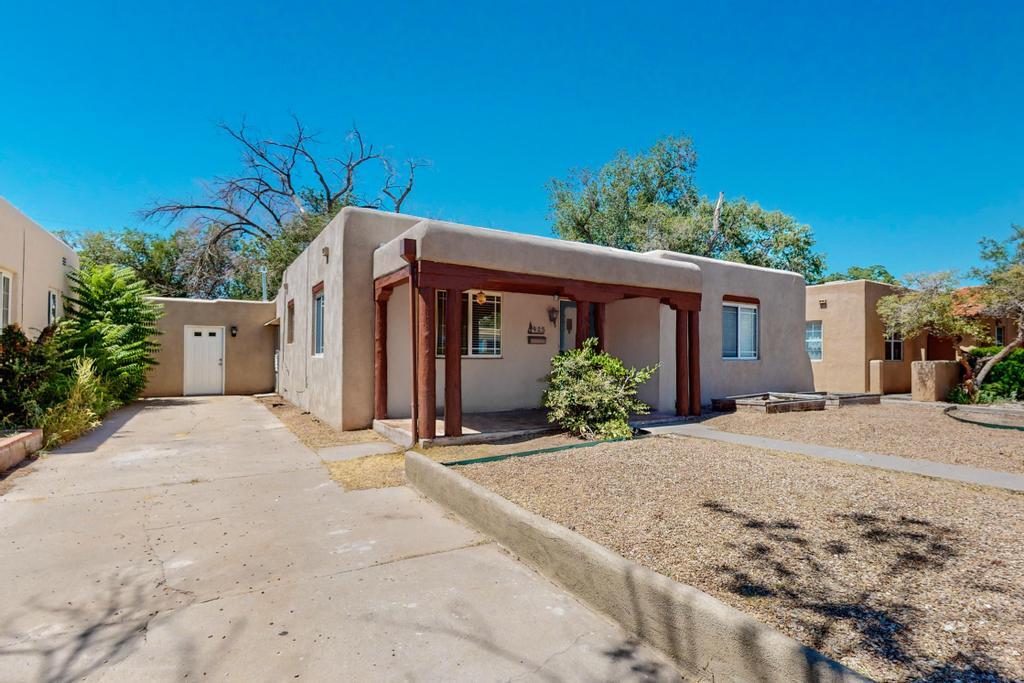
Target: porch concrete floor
pixel 485 427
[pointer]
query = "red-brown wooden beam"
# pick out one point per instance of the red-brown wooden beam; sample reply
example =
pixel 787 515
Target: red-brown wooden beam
pixel 694 325
pixel 380 356
pixel 599 316
pixel 682 363
pixel 582 322
pixel 453 363
pixel 426 367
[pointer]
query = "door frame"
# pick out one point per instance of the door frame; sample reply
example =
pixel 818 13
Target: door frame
pixel 184 359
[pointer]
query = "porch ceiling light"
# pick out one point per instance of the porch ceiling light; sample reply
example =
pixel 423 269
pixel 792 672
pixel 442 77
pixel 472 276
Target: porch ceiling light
pixel 481 298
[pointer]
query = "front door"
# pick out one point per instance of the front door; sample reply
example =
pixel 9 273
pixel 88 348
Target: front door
pixel 204 360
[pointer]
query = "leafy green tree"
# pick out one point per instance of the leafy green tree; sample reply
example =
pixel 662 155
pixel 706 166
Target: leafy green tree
pixel 111 319
pixel 592 394
pixel 30 377
pixel 1002 294
pixel 650 201
pixel 935 304
pixel 875 273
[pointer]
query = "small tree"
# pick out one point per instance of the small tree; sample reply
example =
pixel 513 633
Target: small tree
pixel 112 320
pixel 933 304
pixel 1002 295
pixel 592 394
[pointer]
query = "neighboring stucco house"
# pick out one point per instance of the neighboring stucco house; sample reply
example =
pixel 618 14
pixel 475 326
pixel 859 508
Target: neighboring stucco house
pixel 365 319
pixel 33 272
pixel 848 346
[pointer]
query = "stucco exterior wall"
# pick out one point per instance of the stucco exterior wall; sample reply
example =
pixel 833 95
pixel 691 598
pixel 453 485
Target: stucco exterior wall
pixel 38 263
pixel 315 383
pixel 510 382
pixel 853 335
pixel 782 363
pixel 633 330
pixel 248 357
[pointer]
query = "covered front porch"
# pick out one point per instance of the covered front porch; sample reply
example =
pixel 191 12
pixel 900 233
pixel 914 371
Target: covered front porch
pixel 422 263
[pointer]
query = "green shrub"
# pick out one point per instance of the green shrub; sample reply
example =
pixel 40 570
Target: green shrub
pixel 111 321
pixel 1006 380
pixel 592 394
pixel 30 377
pixel 86 403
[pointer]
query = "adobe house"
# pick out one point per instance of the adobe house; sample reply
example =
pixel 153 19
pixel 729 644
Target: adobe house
pixel 848 346
pixel 33 272
pixel 366 317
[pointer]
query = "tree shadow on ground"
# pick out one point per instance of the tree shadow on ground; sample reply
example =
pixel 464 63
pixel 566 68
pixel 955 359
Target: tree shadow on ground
pixel 72 642
pixel 798 571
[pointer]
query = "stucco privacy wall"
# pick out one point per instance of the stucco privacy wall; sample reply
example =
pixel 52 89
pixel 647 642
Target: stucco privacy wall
pixel 782 363
pixel 488 384
pixel 346 269
pixel 248 357
pixel 38 262
pixel 632 334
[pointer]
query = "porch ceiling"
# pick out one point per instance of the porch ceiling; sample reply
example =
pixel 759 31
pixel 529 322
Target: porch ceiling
pixel 498 250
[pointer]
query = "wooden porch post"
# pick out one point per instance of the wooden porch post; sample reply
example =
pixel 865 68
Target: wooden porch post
pixel 682 363
pixel 599 324
pixel 582 322
pixel 426 366
pixel 694 320
pixel 380 356
pixel 453 363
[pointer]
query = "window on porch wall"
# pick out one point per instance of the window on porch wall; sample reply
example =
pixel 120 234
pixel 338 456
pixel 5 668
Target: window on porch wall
pixel 481 325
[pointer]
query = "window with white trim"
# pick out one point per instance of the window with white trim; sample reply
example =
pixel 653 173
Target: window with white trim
pixel 51 307
pixel 481 324
pixel 318 320
pixel 739 331
pixel 894 347
pixel 812 339
pixel 5 299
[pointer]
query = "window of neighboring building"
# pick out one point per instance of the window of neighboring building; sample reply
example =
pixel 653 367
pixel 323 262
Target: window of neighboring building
pixel 1000 335
pixel 5 299
pixel 481 324
pixel 318 320
pixel 289 323
pixel 894 347
pixel 51 307
pixel 739 331
pixel 812 339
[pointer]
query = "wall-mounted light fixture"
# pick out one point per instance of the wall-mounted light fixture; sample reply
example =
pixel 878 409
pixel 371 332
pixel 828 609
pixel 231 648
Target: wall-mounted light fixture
pixel 822 303
pixel 326 251
pixel 234 330
pixel 552 314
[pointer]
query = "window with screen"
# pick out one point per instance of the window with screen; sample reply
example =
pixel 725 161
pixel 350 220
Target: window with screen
pixel 812 339
pixel 289 323
pixel 481 324
pixel 51 308
pixel 739 331
pixel 318 320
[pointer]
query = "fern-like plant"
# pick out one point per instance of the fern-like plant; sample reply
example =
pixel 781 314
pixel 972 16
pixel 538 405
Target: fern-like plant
pixel 112 321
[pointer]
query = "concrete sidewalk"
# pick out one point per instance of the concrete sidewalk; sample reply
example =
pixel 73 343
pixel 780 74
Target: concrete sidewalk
pixel 929 468
pixel 193 538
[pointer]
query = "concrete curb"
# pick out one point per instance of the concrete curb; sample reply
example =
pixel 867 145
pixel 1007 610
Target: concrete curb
pixel 704 637
pixel 18 446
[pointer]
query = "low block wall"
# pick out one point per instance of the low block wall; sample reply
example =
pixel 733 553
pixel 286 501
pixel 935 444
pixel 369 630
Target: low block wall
pixel 706 638
pixel 17 447
pixel 932 380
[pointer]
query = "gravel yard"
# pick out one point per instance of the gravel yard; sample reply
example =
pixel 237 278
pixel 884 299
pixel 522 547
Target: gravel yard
pixel 890 429
pixel 900 577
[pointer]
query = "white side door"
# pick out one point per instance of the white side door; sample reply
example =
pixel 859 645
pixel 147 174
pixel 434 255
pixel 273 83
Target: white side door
pixel 204 360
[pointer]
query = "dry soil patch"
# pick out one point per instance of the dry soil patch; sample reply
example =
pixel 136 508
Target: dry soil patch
pixel 890 429
pixel 900 577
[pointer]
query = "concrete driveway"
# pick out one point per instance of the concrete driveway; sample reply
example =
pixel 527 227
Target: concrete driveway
pixel 197 538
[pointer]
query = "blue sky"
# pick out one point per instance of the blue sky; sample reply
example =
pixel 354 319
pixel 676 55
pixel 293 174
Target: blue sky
pixel 894 129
